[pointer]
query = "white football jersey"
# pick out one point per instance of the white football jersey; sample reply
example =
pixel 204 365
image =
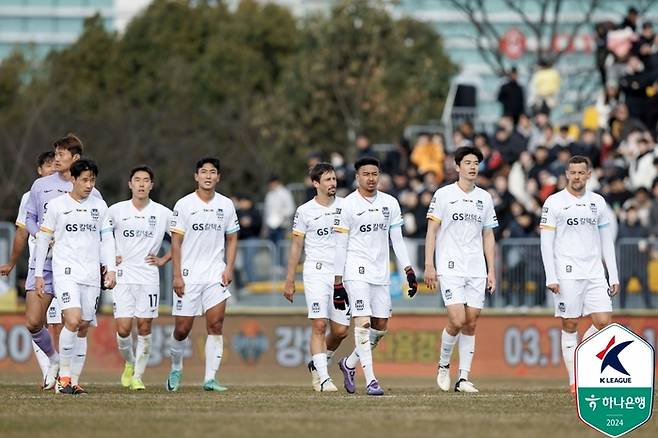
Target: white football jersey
pixel 576 223
pixel 368 223
pixel 138 233
pixel 315 222
pixel 77 228
pixel 463 216
pixel 21 220
pixel 203 226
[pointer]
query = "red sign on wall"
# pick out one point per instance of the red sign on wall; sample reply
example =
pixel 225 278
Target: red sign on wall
pixel 513 43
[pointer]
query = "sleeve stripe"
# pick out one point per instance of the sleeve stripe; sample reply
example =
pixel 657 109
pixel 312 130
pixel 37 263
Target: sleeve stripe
pixel 178 231
pixel 491 226
pixel 298 233
pixel 45 230
pixel 20 224
pixel 603 225
pixel 399 224
pixel 231 230
pixel 106 230
pixel 433 218
pixel 341 229
pixel 548 227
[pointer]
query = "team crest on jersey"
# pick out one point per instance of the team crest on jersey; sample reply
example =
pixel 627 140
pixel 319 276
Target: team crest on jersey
pixel 480 205
pixel 66 297
pixel 52 312
pixel 95 215
pixel 385 212
pixel 338 210
pixel 592 207
pixel 315 308
pixel 179 304
pixel 359 305
pixel 152 221
pixel 448 294
pixel 220 214
pixel 561 307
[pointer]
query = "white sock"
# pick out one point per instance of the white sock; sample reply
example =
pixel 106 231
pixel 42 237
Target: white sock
pixel 66 351
pixel 78 360
pixel 176 352
pixel 375 336
pixel 142 353
pixel 590 331
pixel 330 354
pixel 126 348
pixel 214 352
pixel 362 340
pixel 447 345
pixel 42 359
pixel 466 351
pixel 352 359
pixel 569 342
pixel 320 362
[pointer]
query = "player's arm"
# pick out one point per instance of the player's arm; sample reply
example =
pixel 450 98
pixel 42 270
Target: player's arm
pixel 31 219
pixel 108 252
pixel 610 258
pixel 293 260
pixel 547 242
pixel 231 252
pixel 176 244
pixel 489 243
pixel 433 227
pixel 44 239
pixel 20 240
pixel 153 259
pixel 401 253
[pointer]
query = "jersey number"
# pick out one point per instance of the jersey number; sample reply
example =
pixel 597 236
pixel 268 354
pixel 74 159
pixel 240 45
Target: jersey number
pixel 153 300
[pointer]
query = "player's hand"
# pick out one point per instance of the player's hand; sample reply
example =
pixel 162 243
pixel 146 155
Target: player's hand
pixel 411 281
pixel 431 279
pixel 155 260
pixel 5 269
pixel 341 301
pixel 179 286
pixel 554 287
pixel 118 260
pixel 110 280
pixel 227 278
pixel 613 289
pixel 289 290
pixel 491 282
pixel 40 286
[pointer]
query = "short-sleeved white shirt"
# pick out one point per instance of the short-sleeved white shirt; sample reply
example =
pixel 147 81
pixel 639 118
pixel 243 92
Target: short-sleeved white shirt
pixel 368 223
pixel 315 223
pixel 138 234
pixel 576 223
pixel 204 226
pixel 77 228
pixel 463 216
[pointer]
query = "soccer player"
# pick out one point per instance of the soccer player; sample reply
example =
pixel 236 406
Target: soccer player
pixel 312 231
pixel 575 237
pixel 139 227
pixel 461 219
pixel 45 167
pixel 204 243
pixel 67 150
pixel 82 229
pixel 367 220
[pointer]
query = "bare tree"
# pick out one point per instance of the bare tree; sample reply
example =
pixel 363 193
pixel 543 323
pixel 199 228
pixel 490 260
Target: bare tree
pixel 544 25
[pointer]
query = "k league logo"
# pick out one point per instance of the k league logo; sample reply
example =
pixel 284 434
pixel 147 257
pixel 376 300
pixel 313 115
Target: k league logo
pixel 614 372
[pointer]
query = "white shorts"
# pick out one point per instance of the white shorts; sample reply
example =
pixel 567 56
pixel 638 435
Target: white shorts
pixel 82 296
pixel 581 298
pixel 463 290
pixel 198 298
pixel 54 314
pixel 369 299
pixel 135 301
pixel 319 294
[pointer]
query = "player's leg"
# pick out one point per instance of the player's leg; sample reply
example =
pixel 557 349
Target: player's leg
pixel 35 315
pixel 475 294
pixel 318 294
pixel 380 305
pixel 123 306
pixel 184 311
pixel 454 298
pixel 339 328
pixel 214 304
pixel 69 297
pixel 142 352
pixel 318 362
pixel 569 305
pixel 89 299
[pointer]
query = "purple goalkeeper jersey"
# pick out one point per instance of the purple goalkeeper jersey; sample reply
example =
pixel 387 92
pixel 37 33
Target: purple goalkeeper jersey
pixel 43 191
